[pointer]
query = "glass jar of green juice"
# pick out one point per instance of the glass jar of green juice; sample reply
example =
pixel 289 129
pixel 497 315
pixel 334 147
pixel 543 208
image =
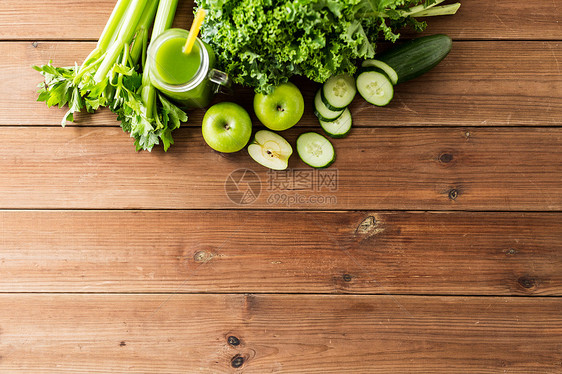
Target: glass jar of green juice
pixel 188 79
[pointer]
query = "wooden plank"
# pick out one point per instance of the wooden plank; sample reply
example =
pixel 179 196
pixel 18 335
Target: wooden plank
pixel 377 168
pixel 504 19
pixel 472 87
pixel 227 251
pixel 60 20
pixel 476 19
pixel 279 333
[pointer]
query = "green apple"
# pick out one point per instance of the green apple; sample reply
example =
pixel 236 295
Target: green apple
pixel 270 150
pixel 226 127
pixel 281 109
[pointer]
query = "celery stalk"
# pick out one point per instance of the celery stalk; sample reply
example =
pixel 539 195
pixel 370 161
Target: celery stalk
pixel 421 10
pixel 112 26
pixel 132 18
pixel 143 27
pixel 108 35
pixel 150 118
pixel 443 10
pixel 163 21
pixel 164 17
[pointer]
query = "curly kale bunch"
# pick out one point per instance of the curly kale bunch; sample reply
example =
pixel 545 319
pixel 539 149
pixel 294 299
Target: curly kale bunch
pixel 262 43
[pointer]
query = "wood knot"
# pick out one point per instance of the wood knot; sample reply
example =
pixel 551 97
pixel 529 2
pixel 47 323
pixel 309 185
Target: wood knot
pixel 347 278
pixel 511 252
pixel 527 282
pixel 233 340
pixel 366 225
pixel 453 194
pixel 122 344
pixel 202 256
pixel 369 226
pixel 445 158
pixel 237 361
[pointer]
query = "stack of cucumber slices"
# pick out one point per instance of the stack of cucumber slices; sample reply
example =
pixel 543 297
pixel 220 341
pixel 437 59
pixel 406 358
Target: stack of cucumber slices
pixel 376 78
pixel 375 83
pixel 330 106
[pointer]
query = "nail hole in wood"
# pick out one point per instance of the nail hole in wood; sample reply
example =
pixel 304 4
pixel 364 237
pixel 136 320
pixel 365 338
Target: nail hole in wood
pixel 233 340
pixel 237 361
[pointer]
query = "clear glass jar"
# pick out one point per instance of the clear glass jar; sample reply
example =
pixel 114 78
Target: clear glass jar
pixel 198 91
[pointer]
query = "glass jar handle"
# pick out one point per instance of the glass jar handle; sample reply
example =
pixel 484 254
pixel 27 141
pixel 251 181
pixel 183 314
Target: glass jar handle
pixel 221 80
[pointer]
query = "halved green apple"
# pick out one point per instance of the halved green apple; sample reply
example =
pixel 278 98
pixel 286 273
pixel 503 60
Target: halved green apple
pixel 270 150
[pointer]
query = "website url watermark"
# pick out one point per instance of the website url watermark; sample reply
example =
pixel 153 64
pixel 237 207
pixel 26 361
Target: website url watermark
pixel 298 199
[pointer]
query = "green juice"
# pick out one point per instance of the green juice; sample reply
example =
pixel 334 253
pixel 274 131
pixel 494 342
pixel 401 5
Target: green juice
pixel 182 77
pixel 174 66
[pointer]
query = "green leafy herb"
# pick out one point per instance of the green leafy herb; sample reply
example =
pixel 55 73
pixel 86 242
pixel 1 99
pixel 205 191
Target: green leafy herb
pixel 262 43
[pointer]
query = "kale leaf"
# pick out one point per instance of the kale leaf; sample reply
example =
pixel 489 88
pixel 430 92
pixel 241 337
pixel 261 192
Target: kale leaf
pixel 262 43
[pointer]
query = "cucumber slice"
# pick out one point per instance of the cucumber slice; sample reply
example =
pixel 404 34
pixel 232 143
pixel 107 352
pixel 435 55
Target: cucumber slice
pixel 375 87
pixel 364 69
pixel 338 92
pixel 315 150
pixel 340 127
pixel 384 67
pixel 322 112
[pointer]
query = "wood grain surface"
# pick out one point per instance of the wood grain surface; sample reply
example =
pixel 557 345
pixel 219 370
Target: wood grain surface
pixel 256 252
pixel 433 245
pixel 279 334
pixel 476 19
pixel 381 168
pixel 473 86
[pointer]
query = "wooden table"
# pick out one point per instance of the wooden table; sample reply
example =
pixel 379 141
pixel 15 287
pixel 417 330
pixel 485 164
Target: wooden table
pixel 433 244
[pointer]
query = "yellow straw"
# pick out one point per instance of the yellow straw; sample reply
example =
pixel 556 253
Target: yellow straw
pixel 194 31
